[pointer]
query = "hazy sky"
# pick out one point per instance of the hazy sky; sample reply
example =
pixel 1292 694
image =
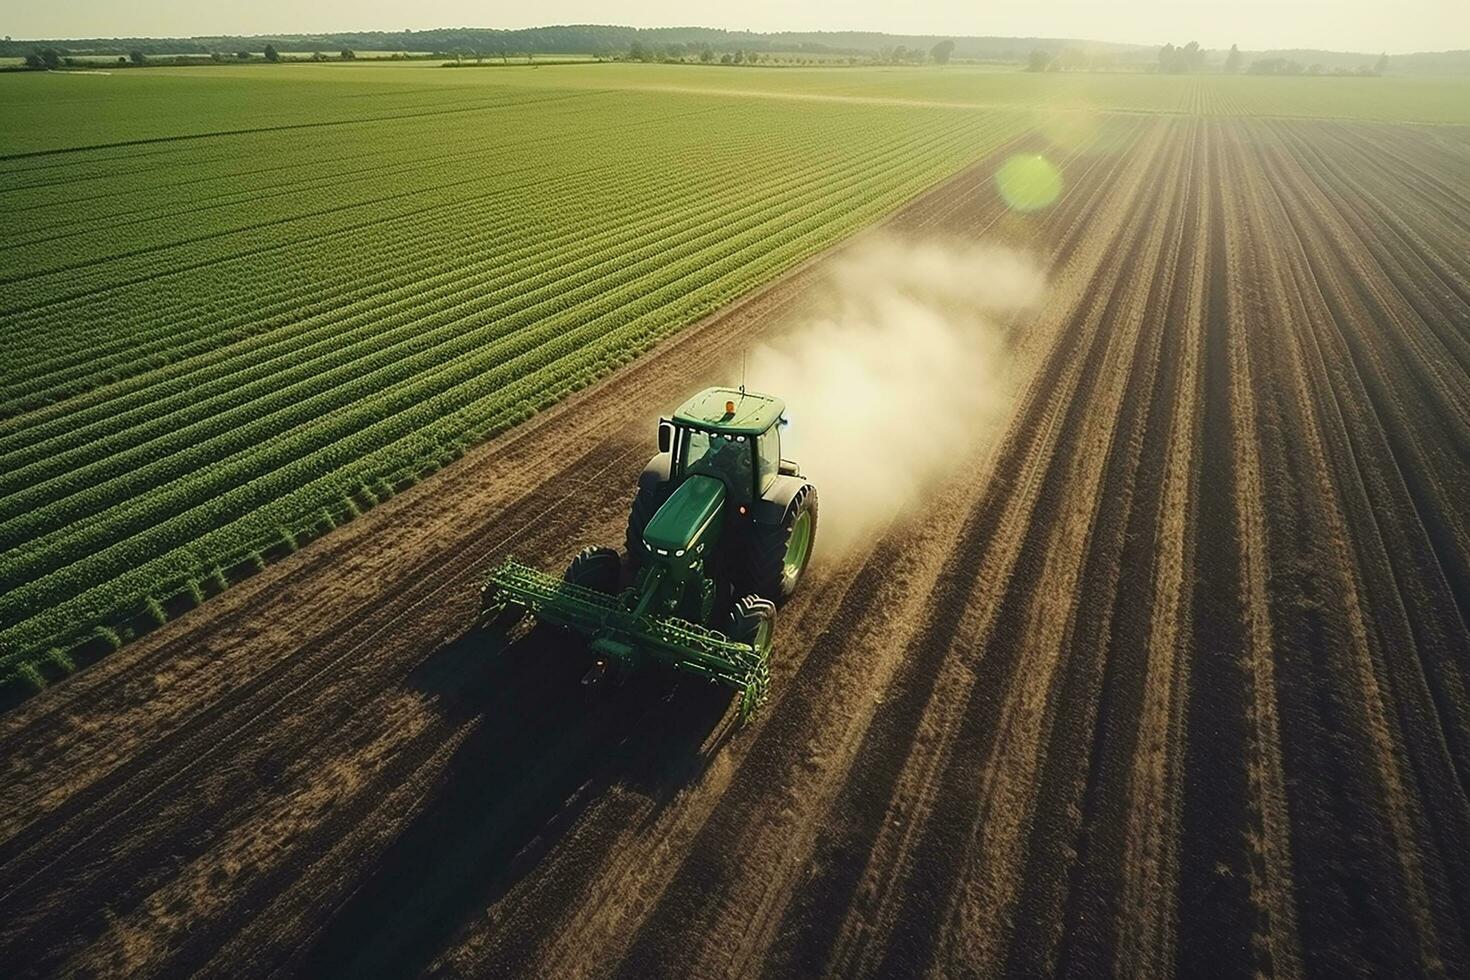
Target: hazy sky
pixel 1352 25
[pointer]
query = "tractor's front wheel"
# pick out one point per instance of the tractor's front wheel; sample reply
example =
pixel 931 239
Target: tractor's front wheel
pixel 778 554
pixel 753 621
pixel 596 568
pixel 646 502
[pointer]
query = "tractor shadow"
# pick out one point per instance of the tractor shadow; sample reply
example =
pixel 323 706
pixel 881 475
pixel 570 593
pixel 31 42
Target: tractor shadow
pixel 541 749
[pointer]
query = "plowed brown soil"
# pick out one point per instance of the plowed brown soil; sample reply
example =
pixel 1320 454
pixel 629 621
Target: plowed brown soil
pixel 1171 678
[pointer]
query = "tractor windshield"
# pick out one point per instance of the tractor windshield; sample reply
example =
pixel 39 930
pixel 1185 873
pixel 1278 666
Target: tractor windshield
pixel 726 457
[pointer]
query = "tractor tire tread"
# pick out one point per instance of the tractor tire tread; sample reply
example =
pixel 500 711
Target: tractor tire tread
pixel 765 553
pixel 596 568
pixel 747 615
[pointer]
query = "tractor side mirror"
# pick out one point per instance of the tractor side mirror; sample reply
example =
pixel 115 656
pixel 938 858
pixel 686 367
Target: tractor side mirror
pixel 665 436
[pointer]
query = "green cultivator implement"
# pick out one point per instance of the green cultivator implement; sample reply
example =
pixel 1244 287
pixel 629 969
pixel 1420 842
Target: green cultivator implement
pixel 720 532
pixel 622 634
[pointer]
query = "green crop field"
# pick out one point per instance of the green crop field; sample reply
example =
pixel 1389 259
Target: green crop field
pixel 239 304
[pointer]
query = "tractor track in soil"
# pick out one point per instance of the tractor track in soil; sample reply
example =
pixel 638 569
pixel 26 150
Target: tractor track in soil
pixel 1170 677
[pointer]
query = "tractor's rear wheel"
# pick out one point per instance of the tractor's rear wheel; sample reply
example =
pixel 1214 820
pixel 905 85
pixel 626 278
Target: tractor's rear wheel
pixel 596 568
pixel 778 554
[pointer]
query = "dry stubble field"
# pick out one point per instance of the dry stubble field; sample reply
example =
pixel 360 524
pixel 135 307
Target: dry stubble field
pixel 1172 678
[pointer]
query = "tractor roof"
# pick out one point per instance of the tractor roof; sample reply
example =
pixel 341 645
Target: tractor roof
pixel 754 413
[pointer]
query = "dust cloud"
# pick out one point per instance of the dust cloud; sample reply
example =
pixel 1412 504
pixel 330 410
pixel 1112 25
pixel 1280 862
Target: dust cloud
pixel 901 376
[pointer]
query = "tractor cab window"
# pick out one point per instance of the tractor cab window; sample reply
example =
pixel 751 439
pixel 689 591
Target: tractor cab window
pixel 768 454
pixel 726 457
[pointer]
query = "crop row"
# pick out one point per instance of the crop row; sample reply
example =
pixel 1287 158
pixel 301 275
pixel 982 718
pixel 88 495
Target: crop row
pixel 182 291
pixel 93 182
pixel 258 292
pixel 392 348
pixel 91 239
pixel 32 287
pixel 376 281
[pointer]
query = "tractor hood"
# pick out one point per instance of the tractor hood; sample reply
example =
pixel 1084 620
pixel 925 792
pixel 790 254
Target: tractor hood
pixel 684 521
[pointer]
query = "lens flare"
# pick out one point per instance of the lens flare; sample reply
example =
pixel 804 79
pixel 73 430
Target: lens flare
pixel 1028 182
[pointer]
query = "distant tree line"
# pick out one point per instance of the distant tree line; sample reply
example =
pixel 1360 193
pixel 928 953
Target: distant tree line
pixel 1191 57
pixel 1290 66
pixel 708 45
pixel 1178 60
pixel 599 40
pixel 707 54
pixel 50 59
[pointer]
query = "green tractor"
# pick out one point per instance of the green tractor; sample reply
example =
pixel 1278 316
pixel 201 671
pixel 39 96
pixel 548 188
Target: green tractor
pixel 719 534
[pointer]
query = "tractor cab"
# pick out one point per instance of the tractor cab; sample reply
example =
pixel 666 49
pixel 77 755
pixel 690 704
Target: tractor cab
pixel 721 452
pixel 731 435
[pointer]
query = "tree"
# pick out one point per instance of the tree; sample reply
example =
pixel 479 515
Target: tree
pixel 51 58
pixel 1176 61
pixel 637 52
pixel 243 55
pixel 706 54
pixel 1232 60
pixel 34 60
pixel 739 56
pixel 271 54
pixel 1038 61
pixel 1382 65
pixel 726 59
pixel 318 56
pixel 941 52
pixel 348 55
pixel 136 57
